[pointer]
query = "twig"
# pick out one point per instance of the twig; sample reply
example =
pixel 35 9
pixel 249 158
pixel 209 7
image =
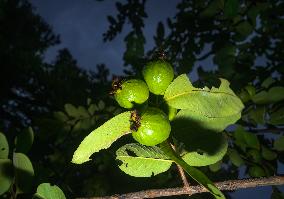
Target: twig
pixel 229 185
pixel 181 173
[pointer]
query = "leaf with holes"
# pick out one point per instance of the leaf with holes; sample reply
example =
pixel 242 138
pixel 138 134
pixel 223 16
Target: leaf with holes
pixel 102 137
pixel 212 103
pixel 205 148
pixel 142 161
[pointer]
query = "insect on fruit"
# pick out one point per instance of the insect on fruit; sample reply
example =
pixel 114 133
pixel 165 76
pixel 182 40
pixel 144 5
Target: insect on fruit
pixel 135 120
pixel 152 127
pixel 115 85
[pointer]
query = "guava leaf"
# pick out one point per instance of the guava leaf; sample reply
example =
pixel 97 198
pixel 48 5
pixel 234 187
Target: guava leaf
pixel 268 154
pixel 102 137
pixel 277 117
pixel 273 95
pixel 245 139
pixel 4 147
pixel 235 158
pixel 187 120
pixel 142 161
pixel 212 103
pixel 215 167
pixel 196 174
pixel 24 172
pixel 205 148
pixel 47 191
pixel 71 110
pixel 231 8
pixel 6 175
pixel 279 144
pixel 24 140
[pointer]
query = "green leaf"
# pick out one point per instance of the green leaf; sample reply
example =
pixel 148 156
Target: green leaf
pixel 212 8
pixel 102 137
pixel 47 191
pixel 279 144
pixel 196 174
pixel 257 115
pixel 254 155
pixel 205 148
pixel 101 105
pixel 256 171
pixel 142 161
pixel 235 158
pixel 71 110
pixel 215 167
pixel 24 140
pixel 59 115
pixel 4 147
pixel 187 119
pixel 82 112
pixel 92 108
pixel 213 103
pixel 231 8
pixel 277 117
pixel 273 95
pixel 24 172
pixel 267 82
pixel 244 28
pixel 6 175
pixel 245 139
pixel 268 154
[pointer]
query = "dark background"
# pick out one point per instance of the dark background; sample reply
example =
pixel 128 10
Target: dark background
pixel 30 95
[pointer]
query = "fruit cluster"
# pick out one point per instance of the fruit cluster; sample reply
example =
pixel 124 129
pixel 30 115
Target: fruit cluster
pixel 150 126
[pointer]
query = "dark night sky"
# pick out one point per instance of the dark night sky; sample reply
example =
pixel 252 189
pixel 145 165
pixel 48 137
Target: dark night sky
pixel 81 23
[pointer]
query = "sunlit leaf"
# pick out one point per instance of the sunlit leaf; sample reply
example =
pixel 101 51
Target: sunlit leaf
pixel 102 137
pixel 142 161
pixel 212 103
pixel 4 147
pixel 47 191
pixel 6 175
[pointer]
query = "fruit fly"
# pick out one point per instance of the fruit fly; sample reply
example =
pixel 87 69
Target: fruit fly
pixel 135 120
pixel 116 85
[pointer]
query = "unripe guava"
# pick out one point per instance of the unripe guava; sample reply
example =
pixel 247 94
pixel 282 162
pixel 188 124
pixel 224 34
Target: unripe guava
pixel 130 92
pixel 158 75
pixel 152 127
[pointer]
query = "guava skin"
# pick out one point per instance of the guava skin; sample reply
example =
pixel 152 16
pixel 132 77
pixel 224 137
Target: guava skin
pixel 158 76
pixel 133 90
pixel 154 127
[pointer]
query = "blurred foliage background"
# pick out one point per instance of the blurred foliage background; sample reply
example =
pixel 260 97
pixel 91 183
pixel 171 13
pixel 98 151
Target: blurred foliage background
pixel 47 109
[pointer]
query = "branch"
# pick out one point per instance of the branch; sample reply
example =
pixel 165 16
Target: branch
pixel 229 185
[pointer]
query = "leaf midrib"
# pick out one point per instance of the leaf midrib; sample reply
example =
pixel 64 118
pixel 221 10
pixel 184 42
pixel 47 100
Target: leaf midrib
pixel 191 92
pixel 145 158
